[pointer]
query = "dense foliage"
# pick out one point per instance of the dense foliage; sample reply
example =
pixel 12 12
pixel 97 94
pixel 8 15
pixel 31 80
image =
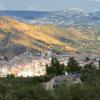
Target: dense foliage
pixel 26 89
pixel 12 88
pixel 73 65
pixel 55 67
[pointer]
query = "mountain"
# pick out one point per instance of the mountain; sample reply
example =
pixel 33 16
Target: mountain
pixel 61 18
pixel 16 37
pixel 15 34
pixel 70 30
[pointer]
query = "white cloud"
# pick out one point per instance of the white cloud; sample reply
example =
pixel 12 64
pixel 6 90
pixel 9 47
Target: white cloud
pixel 31 8
pixel 77 9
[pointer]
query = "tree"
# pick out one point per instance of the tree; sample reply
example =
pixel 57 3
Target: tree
pixel 73 65
pixel 55 67
pixel 99 63
pixel 87 59
pixel 77 92
pixel 89 67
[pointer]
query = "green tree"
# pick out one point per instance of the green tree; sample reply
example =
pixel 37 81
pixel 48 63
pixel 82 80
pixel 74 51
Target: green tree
pixel 89 67
pixel 99 63
pixel 73 65
pixel 87 59
pixel 55 67
pixel 77 92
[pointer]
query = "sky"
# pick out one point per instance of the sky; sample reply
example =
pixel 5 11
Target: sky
pixel 49 5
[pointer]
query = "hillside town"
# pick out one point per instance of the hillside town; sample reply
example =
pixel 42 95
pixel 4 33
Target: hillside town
pixel 27 65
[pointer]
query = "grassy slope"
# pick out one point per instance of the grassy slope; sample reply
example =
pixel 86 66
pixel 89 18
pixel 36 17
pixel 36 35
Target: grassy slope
pixel 29 35
pixel 41 37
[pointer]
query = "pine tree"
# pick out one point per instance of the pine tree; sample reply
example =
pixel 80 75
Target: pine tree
pixel 55 67
pixel 89 67
pixel 99 63
pixel 73 65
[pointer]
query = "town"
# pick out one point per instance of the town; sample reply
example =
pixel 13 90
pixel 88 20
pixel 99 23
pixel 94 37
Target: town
pixel 28 65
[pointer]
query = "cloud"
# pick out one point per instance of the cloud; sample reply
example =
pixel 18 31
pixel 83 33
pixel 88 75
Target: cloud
pixel 31 8
pixel 77 9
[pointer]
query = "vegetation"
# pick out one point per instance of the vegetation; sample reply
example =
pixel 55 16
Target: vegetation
pixel 88 69
pixel 31 88
pixel 25 89
pixel 21 90
pixel 87 59
pixel 73 65
pixel 99 63
pixel 55 67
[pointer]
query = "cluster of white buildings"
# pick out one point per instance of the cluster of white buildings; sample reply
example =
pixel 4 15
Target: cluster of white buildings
pixel 24 65
pixel 27 65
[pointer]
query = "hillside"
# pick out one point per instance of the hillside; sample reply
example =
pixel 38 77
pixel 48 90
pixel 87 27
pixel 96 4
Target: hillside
pixel 19 36
pixel 33 37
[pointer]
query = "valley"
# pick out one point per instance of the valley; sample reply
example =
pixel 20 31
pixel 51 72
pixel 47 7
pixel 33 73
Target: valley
pixel 23 45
